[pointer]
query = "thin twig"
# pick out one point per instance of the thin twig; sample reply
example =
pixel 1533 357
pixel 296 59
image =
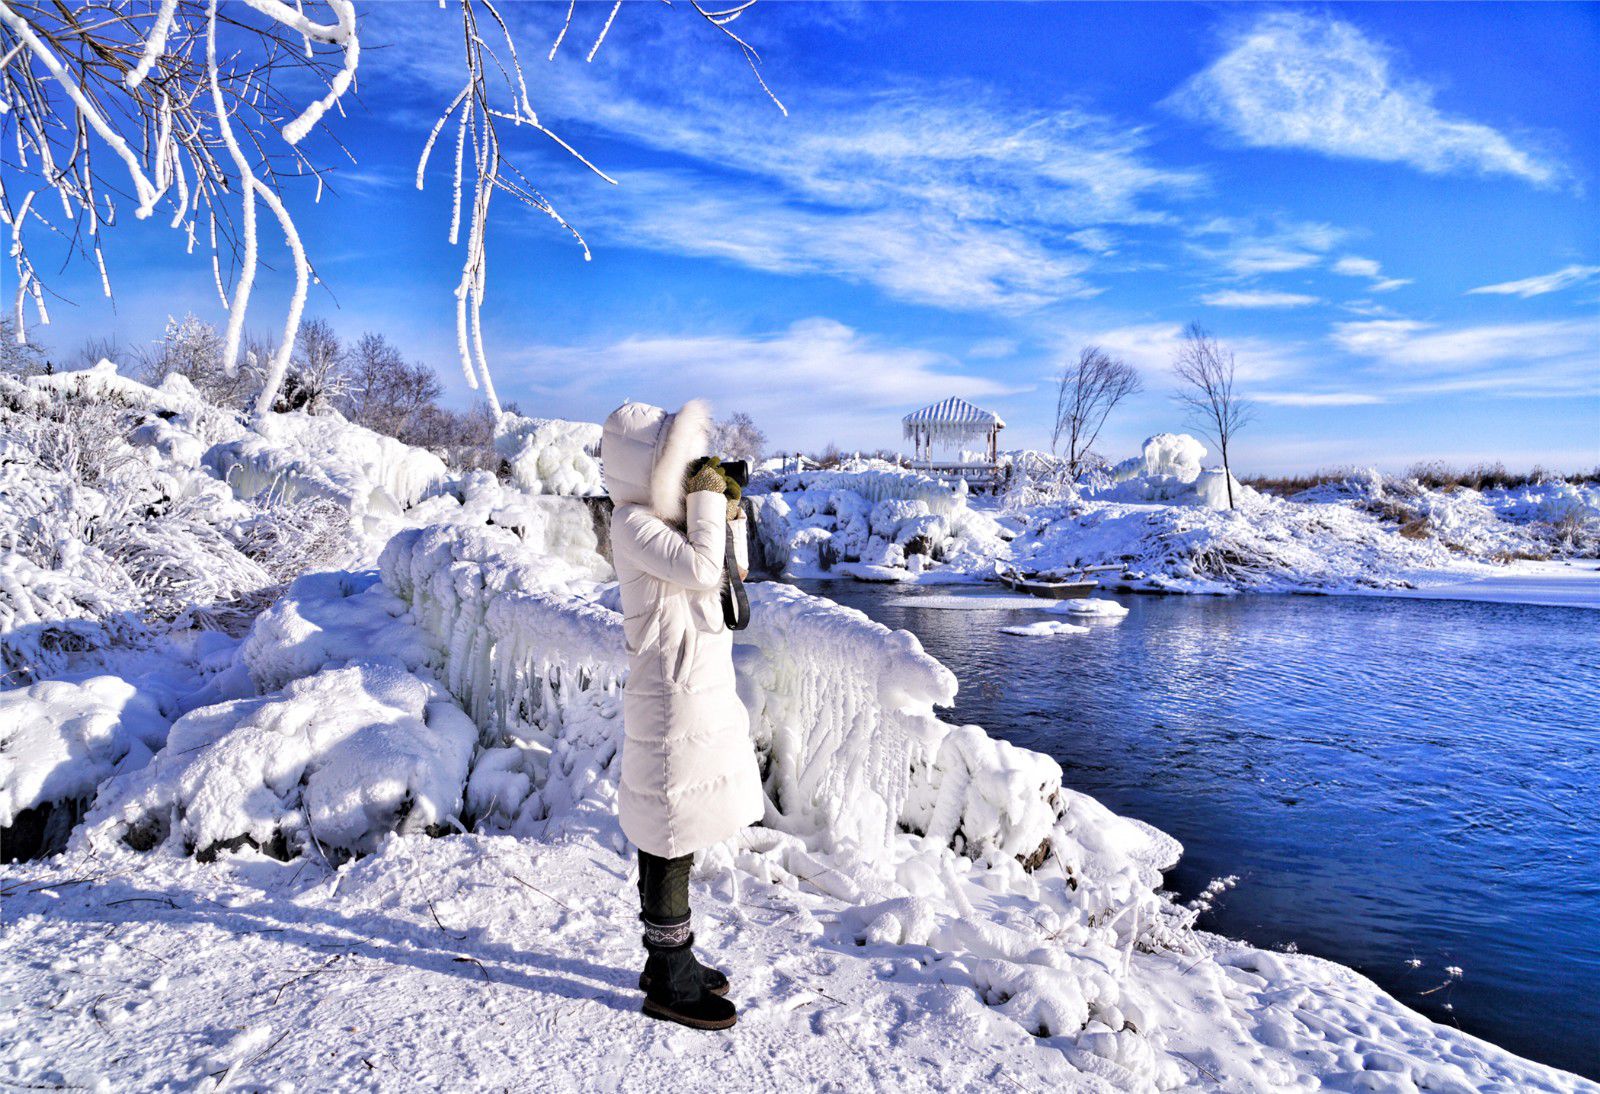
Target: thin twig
pixel 168 901
pixel 541 892
pixel 475 961
pixel 441 926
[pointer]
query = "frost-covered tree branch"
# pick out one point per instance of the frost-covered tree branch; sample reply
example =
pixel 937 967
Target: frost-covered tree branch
pixel 202 110
pixel 164 104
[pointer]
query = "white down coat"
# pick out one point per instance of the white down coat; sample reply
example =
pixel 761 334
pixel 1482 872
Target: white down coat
pixel 689 774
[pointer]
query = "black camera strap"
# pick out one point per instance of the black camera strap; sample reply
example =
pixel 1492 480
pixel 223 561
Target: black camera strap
pixel 735 604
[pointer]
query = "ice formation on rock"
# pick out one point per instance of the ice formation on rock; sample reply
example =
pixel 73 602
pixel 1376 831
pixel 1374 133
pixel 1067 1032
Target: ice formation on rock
pixel 876 520
pixel 551 456
pixel 59 740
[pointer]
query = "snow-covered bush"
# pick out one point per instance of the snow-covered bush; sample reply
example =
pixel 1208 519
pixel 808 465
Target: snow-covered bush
pixel 296 456
pixel 101 537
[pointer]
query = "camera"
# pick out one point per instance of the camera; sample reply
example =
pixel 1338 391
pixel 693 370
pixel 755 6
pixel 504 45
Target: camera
pixel 738 471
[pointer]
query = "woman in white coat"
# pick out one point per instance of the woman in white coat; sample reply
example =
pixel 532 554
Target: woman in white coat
pixel 689 774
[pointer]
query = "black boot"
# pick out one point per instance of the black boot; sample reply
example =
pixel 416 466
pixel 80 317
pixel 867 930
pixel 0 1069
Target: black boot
pixel 712 980
pixel 676 990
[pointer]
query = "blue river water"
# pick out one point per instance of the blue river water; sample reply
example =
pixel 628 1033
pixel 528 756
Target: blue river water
pixel 1392 781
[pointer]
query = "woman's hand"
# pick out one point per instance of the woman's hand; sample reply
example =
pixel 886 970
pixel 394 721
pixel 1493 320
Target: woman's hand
pixel 705 474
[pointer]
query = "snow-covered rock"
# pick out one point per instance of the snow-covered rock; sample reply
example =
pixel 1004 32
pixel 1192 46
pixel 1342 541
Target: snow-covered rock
pixel 880 518
pixel 329 764
pixel 59 740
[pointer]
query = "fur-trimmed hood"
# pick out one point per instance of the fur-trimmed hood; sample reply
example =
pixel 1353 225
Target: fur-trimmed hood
pixel 646 451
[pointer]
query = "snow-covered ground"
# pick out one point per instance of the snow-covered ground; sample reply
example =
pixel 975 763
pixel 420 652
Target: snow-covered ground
pixel 364 837
pixel 1574 583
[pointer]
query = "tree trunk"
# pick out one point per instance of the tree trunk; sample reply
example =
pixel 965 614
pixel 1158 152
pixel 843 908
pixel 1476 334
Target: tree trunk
pixel 1227 476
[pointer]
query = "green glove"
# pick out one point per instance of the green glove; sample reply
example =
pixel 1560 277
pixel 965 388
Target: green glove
pixel 705 474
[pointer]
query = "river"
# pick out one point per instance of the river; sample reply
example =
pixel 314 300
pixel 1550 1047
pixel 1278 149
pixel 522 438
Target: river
pixel 1401 786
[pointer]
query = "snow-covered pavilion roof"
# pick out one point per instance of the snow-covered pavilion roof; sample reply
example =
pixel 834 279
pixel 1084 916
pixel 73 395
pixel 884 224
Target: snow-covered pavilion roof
pixel 952 418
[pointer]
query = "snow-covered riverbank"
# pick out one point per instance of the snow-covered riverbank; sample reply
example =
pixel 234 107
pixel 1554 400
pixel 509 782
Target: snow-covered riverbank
pixel 1163 523
pixel 368 839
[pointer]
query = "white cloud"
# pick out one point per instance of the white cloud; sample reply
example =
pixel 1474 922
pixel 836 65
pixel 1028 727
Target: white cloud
pixel 1352 266
pixel 1248 247
pixel 1389 284
pixel 1317 398
pixel 1355 266
pixel 1544 283
pixel 1236 298
pixel 908 254
pixel 908 188
pixel 1301 81
pixel 1554 357
pixel 814 381
pixel 1151 347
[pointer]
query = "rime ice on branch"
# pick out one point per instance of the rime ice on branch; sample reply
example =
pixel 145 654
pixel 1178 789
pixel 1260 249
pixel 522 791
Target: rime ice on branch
pixel 181 94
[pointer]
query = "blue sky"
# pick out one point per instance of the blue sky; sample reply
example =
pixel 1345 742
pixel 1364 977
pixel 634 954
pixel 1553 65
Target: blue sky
pixel 1388 212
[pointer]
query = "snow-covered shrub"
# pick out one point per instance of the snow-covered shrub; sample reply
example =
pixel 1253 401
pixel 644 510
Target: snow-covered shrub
pixel 101 537
pixel 192 350
pixel 288 539
pixel 326 766
pixel 550 456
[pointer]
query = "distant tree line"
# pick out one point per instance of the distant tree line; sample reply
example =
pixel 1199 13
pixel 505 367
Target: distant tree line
pixel 369 381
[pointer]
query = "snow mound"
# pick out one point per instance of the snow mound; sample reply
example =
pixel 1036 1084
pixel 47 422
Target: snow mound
pixel 334 761
pixel 550 456
pixel 1044 628
pixel 372 476
pixel 1093 608
pixel 1176 455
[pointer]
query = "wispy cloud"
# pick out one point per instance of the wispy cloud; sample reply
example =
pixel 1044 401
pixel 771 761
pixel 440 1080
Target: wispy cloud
pixel 1317 398
pixel 1355 266
pixel 1555 357
pixel 1151 347
pixel 1303 81
pixel 907 253
pixel 909 188
pixel 1244 298
pixel 819 379
pixel 1545 283
pixel 1247 247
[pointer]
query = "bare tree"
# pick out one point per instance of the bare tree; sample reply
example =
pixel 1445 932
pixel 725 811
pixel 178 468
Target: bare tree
pixel 317 378
pixel 738 438
pixel 389 395
pixel 1086 394
pixel 1205 372
pixel 113 105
